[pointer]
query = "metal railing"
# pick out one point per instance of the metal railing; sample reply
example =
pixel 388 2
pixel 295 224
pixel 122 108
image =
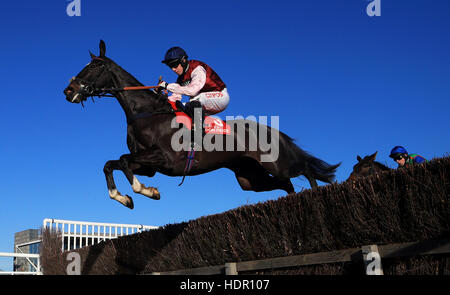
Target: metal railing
pixel 74 235
pixel 77 234
pixel 37 267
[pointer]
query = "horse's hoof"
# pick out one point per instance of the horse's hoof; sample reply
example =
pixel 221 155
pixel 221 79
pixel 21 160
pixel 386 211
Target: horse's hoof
pixel 156 194
pixel 129 203
pixel 126 200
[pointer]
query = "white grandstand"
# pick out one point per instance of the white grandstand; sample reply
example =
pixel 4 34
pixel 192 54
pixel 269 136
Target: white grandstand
pixel 74 235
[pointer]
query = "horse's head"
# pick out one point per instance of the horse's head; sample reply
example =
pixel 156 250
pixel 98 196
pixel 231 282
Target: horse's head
pixel 365 166
pixel 95 75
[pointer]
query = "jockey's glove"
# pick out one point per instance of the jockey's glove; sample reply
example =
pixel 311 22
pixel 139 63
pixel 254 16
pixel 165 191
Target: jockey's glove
pixel 163 84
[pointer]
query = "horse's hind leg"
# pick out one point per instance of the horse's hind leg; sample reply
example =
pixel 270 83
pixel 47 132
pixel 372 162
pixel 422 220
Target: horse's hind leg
pixel 252 176
pixel 312 180
pixel 263 182
pixel 114 194
pixel 288 187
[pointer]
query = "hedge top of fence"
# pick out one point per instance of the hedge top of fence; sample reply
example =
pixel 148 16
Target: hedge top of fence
pixel 403 205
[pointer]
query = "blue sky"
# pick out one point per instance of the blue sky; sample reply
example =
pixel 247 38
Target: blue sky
pixel 342 83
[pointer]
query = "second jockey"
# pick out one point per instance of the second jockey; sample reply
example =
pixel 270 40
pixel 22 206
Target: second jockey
pixel 400 155
pixel 196 80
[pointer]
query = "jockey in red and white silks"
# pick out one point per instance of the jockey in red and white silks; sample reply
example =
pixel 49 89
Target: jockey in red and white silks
pixel 196 80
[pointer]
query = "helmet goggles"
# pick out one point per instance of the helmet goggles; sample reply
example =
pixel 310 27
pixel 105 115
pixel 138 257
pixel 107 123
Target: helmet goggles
pixel 173 63
pixel 397 157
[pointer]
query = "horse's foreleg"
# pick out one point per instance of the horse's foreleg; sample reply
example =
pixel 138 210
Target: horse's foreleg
pixel 128 166
pixel 114 194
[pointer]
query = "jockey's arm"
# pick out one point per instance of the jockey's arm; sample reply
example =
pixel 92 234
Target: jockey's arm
pixel 193 88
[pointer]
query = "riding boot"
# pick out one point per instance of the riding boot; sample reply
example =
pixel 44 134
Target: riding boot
pixel 179 105
pixel 189 109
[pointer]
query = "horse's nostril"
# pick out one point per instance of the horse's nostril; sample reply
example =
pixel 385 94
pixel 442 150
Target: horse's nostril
pixel 68 90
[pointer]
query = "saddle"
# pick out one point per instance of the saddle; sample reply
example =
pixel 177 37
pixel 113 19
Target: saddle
pixel 212 125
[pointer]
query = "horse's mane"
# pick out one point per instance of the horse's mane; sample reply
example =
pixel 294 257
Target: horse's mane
pixel 381 166
pixel 161 99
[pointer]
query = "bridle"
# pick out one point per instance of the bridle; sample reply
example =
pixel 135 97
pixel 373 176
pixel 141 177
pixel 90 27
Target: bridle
pixel 88 89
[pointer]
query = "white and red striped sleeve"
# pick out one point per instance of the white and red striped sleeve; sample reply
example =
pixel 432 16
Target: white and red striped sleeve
pixel 197 82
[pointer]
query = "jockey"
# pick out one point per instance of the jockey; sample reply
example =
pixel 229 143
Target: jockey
pixel 401 156
pixel 196 80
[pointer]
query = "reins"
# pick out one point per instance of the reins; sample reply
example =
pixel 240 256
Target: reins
pixel 90 91
pixel 128 88
pixel 106 92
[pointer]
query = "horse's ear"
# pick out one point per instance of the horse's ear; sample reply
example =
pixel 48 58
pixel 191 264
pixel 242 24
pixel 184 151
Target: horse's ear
pixel 92 55
pixel 102 48
pixel 373 156
pixel 358 158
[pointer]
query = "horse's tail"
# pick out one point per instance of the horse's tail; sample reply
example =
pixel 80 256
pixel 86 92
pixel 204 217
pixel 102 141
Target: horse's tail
pixel 302 162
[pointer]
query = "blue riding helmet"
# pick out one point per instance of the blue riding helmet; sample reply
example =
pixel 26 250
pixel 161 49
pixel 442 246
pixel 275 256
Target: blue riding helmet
pixel 397 150
pixel 174 53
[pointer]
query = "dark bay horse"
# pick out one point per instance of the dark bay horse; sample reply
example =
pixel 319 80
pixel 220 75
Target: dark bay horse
pixel 150 140
pixel 367 166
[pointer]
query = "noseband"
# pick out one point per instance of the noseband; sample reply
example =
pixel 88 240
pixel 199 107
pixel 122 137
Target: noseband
pixel 88 89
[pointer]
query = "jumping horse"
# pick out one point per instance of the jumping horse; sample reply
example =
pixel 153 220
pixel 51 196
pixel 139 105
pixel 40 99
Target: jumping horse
pixel 149 138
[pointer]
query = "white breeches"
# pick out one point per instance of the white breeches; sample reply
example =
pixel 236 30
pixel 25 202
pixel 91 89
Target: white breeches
pixel 213 102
